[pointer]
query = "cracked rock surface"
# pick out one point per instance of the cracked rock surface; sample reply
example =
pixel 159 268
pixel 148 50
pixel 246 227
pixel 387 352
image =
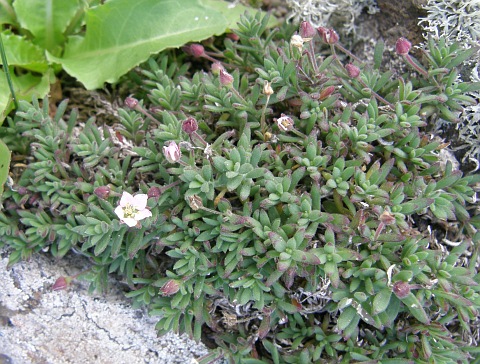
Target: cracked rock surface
pixel 42 326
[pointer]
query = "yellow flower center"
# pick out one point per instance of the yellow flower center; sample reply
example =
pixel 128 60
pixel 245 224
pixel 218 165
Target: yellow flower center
pixel 129 211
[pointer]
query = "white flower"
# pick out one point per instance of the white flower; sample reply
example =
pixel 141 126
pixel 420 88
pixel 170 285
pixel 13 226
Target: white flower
pixel 132 209
pixel 172 152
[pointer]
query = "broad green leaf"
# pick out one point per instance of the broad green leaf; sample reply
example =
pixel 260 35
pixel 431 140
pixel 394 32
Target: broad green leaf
pixel 26 86
pixel 4 164
pixel 21 52
pixel 7 14
pixel 47 20
pixel 121 34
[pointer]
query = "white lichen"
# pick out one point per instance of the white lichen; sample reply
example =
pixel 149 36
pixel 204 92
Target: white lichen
pixel 331 12
pixel 459 21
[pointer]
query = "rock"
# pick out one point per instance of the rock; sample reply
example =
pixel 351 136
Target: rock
pixel 39 325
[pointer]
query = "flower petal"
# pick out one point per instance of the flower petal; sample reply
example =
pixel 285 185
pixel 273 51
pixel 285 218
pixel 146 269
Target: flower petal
pixel 119 211
pixel 142 214
pixel 130 222
pixel 127 199
pixel 140 201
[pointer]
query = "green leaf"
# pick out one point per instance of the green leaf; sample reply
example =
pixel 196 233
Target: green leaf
pixel 415 205
pixel 47 20
pixel 381 301
pixel 21 52
pixel 346 317
pixel 4 164
pixel 26 86
pixel 121 34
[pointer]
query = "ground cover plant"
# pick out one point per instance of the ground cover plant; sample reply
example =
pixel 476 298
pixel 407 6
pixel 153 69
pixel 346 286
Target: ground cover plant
pixel 280 200
pixel 86 37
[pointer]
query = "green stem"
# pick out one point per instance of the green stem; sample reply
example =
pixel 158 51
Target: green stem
pixel 7 73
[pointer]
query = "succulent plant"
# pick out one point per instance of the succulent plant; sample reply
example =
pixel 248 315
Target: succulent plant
pixel 297 209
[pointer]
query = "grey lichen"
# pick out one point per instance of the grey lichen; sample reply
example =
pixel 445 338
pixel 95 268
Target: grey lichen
pixel 338 13
pixel 459 21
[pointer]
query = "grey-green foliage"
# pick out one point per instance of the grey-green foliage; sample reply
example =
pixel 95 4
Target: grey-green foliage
pixel 459 21
pixel 299 243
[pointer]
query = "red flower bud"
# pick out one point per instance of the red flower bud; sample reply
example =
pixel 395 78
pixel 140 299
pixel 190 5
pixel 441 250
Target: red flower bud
pixel 190 125
pixel 102 192
pixel 402 47
pixel 61 283
pixel 233 36
pixel 352 70
pixel 326 92
pixel 195 50
pixel 131 102
pixel 154 192
pixel 307 31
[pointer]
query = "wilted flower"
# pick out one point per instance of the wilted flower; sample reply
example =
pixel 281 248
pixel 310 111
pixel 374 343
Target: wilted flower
pixel 402 47
pixel 132 209
pixel 352 70
pixel 170 288
pixel 297 41
pixel 267 88
pixel 172 152
pixel 195 202
pixel 329 36
pixel 285 123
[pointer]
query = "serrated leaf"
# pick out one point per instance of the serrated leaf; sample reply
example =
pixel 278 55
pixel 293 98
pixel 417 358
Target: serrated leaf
pixel 121 34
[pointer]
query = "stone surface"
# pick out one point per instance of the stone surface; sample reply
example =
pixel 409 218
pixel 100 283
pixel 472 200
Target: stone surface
pixel 42 326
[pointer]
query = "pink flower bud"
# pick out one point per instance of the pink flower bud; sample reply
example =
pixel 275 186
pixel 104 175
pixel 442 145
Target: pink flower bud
pixel 216 67
pixel 189 125
pixel 195 50
pixel 226 79
pixel 154 192
pixel 329 36
pixel 326 92
pixel 102 192
pixel 307 31
pixel 402 47
pixel 172 152
pixel 170 288
pixel 285 123
pixel 61 283
pixel 233 36
pixel 401 289
pixel 352 70
pixel 131 102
